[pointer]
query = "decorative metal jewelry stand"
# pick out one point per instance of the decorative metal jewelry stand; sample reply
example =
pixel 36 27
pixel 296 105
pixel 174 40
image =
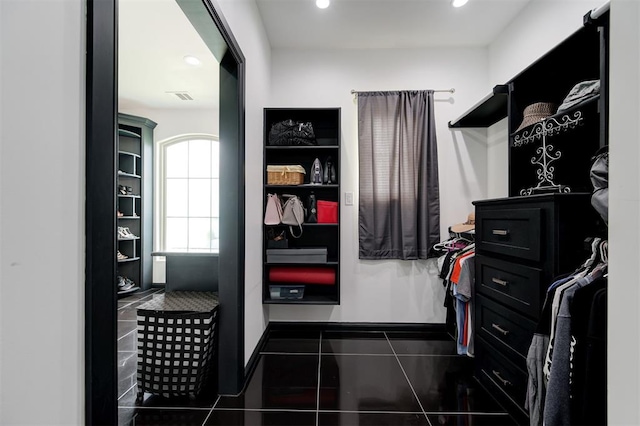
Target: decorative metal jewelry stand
pixel 545 154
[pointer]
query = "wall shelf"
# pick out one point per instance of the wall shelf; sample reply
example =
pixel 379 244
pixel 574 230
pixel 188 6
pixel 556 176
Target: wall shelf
pixel 488 111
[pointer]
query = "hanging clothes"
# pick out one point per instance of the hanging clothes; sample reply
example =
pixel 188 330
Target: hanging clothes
pixel 560 361
pixel 457 272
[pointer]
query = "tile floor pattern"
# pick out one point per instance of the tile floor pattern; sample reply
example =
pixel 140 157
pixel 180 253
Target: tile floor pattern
pixel 322 379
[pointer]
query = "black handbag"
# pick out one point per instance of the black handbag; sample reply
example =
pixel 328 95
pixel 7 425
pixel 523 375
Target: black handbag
pixel 289 132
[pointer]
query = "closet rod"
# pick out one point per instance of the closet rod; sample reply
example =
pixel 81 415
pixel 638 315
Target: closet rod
pixel 599 11
pixel 452 90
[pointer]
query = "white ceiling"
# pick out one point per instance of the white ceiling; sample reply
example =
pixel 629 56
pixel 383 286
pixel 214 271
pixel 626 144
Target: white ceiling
pixel 385 23
pixel 153 38
pixel 155 35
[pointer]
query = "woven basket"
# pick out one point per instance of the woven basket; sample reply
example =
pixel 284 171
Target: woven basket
pixel 285 175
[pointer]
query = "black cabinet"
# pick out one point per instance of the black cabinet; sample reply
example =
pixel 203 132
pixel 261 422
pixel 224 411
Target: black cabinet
pixel 280 276
pixel 135 202
pixel 522 243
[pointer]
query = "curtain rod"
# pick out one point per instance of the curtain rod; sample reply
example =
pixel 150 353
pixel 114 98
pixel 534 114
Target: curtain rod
pixel 452 90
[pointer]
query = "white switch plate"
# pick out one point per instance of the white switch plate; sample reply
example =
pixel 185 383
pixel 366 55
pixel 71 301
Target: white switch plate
pixel 348 198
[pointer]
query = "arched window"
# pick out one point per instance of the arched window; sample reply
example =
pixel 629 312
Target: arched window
pixel 187 194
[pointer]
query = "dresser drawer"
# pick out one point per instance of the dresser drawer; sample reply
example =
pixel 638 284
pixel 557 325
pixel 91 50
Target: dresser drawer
pixel 503 327
pixel 500 374
pixel 515 285
pixel 511 232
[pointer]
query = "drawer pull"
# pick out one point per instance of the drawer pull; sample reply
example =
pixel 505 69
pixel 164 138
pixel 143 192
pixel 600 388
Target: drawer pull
pixel 500 329
pixel 499 281
pixel 499 377
pixel 502 232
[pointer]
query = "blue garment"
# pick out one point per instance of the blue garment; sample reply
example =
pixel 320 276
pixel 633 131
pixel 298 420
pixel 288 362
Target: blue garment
pixel 559 283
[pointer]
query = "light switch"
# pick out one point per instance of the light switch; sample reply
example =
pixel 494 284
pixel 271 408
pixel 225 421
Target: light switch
pixel 348 198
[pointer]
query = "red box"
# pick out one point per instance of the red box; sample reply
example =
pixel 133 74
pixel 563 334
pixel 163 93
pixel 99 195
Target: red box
pixel 327 211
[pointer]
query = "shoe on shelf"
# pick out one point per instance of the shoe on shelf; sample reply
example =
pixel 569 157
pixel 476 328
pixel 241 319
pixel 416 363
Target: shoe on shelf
pixel 120 214
pixel 124 232
pixel 125 283
pixel 122 190
pixel 122 256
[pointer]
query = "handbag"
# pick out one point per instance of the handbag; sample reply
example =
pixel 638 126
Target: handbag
pixel 327 211
pixel 312 209
pixel 293 214
pixel 289 132
pixel 273 212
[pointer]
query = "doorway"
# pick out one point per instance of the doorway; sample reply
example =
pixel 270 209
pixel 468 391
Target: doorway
pixel 101 202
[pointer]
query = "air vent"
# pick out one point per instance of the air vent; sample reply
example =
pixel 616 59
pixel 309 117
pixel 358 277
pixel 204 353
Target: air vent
pixel 183 96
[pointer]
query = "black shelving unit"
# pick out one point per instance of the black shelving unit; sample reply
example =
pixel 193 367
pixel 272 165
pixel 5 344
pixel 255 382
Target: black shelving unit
pixel 326 125
pixel 134 169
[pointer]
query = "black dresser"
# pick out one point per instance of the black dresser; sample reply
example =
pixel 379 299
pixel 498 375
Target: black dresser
pixel 521 244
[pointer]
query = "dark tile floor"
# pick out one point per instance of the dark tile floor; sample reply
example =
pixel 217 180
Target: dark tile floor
pixel 323 379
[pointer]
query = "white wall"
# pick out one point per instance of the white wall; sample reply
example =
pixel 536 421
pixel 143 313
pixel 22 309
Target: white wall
pixel 42 212
pixel 623 362
pixel 246 25
pixel 498 160
pixel 174 122
pixel 388 291
pixel 539 27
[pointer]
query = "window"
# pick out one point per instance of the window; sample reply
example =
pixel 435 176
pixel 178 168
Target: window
pixel 187 196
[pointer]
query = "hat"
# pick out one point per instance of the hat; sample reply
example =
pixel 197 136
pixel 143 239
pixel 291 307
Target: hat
pixel 580 92
pixel 536 112
pixel 466 226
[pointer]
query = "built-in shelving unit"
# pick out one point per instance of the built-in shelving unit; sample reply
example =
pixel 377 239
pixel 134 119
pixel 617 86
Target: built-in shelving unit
pixel 535 234
pixel 326 125
pixel 134 171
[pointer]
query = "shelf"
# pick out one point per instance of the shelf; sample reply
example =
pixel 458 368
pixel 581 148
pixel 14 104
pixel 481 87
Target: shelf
pixel 129 217
pixel 128 196
pixel 304 186
pixel 129 153
pixel 128 239
pixel 306 264
pixel 306 300
pixel 129 259
pixel 131 290
pixel 308 225
pixel 123 132
pixel 129 175
pixel 569 112
pixel 488 111
pixel 296 147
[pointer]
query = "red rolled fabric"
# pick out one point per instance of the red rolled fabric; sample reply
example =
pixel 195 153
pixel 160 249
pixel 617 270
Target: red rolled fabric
pixel 302 275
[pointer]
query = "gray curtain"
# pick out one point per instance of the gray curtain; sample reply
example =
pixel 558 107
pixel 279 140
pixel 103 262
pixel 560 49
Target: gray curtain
pixel 399 208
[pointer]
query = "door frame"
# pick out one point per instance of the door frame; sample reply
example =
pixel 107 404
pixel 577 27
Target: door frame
pixel 101 374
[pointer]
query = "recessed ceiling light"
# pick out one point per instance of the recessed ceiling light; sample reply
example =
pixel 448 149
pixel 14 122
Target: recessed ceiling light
pixel 459 3
pixel 191 60
pixel 322 4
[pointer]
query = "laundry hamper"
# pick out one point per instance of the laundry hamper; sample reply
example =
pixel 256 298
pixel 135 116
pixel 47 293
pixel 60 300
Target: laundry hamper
pixel 177 340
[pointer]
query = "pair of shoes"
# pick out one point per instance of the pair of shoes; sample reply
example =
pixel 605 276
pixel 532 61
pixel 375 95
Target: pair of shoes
pixel 125 190
pixel 125 283
pixel 122 256
pixel 125 233
pixel 120 214
pixel 329 175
